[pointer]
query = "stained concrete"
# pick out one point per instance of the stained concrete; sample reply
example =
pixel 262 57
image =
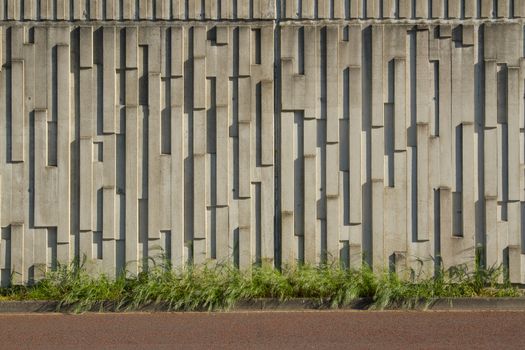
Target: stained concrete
pixel 251 135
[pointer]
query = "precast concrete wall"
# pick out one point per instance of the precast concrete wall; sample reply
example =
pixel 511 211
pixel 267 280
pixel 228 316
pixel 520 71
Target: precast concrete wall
pixel 262 131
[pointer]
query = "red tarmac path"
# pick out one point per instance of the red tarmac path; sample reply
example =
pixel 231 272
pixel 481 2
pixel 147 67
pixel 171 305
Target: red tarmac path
pixel 266 330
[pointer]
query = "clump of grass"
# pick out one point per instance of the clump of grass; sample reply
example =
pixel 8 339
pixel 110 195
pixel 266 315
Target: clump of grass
pixel 331 283
pixel 71 285
pixel 220 286
pixel 455 282
pixel 188 288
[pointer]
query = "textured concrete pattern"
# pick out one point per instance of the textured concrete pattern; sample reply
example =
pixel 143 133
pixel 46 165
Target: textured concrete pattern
pixel 95 10
pixel 402 9
pixel 397 142
pixel 125 10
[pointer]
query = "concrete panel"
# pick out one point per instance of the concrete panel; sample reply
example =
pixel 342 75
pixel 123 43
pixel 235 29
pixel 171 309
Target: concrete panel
pixel 400 138
pixel 178 257
pixel 354 151
pixel 245 160
pixel 154 157
pixel 502 9
pixel 454 8
pixel 513 134
pixel 486 8
pixel 323 8
pixel 355 9
pixel 223 158
pixel 421 10
pixel 267 216
pixel 311 242
pixel 405 9
pixel 267 123
pixel 86 183
pixel 378 256
pixel 18 266
pixel 422 78
pixel 109 71
pixel 131 136
pixel 245 234
pixel 437 9
pixel 423 186
pixel 45 177
pixel 131 190
pixel 491 163
pixel 333 75
pixel 519 9
pixel 389 9
pixel 445 113
pixel 467 197
pixel 89 10
pixel 491 95
pixel 377 76
pixel 470 8
pixel 63 143
pixel 18 125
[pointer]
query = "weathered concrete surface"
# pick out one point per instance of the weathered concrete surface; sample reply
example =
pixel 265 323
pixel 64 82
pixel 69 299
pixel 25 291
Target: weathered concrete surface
pixel 67 10
pixel 398 141
pixel 285 330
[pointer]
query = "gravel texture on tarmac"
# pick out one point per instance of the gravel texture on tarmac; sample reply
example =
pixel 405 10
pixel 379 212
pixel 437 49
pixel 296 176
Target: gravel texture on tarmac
pixel 266 330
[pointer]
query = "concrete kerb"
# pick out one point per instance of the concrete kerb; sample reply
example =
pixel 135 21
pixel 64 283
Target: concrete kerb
pixel 298 304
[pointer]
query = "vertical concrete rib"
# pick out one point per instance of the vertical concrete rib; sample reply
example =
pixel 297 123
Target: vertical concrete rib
pixel 134 135
pixel 17 110
pixel 131 145
pixel 63 152
pixel 86 135
pixel 199 145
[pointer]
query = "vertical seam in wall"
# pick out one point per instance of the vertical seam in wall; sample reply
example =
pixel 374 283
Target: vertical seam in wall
pixel 277 134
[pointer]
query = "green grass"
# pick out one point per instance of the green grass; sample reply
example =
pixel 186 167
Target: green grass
pixel 220 286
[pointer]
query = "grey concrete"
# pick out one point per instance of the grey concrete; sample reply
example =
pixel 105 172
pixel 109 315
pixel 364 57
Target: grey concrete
pixel 397 139
pixel 93 10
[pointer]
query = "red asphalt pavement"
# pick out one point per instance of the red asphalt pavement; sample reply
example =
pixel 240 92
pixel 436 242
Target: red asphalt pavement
pixel 266 330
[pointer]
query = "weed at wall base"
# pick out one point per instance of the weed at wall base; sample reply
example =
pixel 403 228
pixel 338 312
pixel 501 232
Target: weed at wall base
pixel 220 286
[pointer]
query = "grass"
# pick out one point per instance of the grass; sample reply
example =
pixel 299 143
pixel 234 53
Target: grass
pixel 220 286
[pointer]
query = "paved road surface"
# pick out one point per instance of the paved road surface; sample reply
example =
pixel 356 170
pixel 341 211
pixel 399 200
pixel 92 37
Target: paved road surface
pixel 266 330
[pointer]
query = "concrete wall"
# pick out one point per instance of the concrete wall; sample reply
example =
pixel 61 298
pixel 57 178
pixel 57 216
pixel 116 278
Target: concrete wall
pixel 264 137
pixel 73 10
